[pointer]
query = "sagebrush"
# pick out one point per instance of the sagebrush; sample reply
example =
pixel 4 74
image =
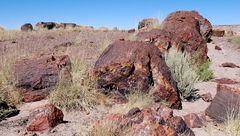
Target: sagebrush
pixel 183 72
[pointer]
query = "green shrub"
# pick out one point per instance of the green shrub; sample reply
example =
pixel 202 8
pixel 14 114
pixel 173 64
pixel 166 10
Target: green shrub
pixel 203 71
pixel 183 72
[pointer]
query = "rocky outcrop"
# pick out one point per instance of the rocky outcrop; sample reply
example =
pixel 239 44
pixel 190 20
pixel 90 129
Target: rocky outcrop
pixel 218 33
pixel 226 102
pixel 126 66
pixel 162 39
pixel 27 27
pixel 35 77
pixel 155 120
pixel 66 25
pixel 191 28
pixel 45 25
pixel 148 23
pixel 44 118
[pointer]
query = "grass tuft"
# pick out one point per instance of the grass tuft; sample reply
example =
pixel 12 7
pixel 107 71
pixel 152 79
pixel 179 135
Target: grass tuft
pixel 135 99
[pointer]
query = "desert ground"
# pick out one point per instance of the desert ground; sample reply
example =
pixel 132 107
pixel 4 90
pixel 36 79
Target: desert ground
pixel 88 48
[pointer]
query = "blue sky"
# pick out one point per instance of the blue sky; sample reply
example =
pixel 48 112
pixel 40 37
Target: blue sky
pixel 110 13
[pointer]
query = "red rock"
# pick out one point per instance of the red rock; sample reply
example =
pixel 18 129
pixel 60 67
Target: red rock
pixel 125 65
pixel 194 120
pixel 218 33
pixel 226 101
pixel 207 97
pixel 218 48
pixel 37 76
pixel 131 31
pixel 191 28
pixel 162 39
pixel 148 121
pixel 44 118
pixel 148 23
pixel 27 27
pixel 225 81
pixel 230 65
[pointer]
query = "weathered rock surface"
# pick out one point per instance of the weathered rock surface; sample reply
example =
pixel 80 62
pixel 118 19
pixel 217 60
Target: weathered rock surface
pixel 36 76
pixel 155 120
pixel 195 120
pixel 148 23
pixel 192 28
pixel 27 27
pixel 218 33
pixel 162 39
pixel 66 25
pixel 45 25
pixel 125 65
pixel 225 103
pixel 44 118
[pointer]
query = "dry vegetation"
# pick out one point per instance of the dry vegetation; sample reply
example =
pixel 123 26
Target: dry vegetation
pixel 135 99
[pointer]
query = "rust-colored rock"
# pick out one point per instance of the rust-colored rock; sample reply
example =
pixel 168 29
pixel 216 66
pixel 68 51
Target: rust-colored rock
pixel 126 66
pixel 162 39
pixel 230 65
pixel 150 121
pixel 225 81
pixel 148 23
pixel 46 25
pixel 206 97
pixel 36 76
pixel 226 101
pixel 194 120
pixel 44 118
pixel 131 31
pixel 218 33
pixel 27 27
pixel 191 28
pixel 218 48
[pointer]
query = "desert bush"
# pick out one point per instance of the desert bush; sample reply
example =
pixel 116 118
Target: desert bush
pixel 75 95
pixel 135 99
pixel 183 72
pixel 109 128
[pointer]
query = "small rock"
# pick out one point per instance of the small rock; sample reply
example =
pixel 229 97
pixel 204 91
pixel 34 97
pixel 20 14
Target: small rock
pixel 230 65
pixel 44 118
pixel 131 31
pixel 225 81
pixel 218 48
pixel 206 97
pixel 218 33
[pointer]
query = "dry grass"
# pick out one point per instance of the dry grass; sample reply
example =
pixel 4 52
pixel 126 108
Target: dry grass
pixel 109 128
pixel 80 94
pixel 6 35
pixel 232 123
pixel 135 99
